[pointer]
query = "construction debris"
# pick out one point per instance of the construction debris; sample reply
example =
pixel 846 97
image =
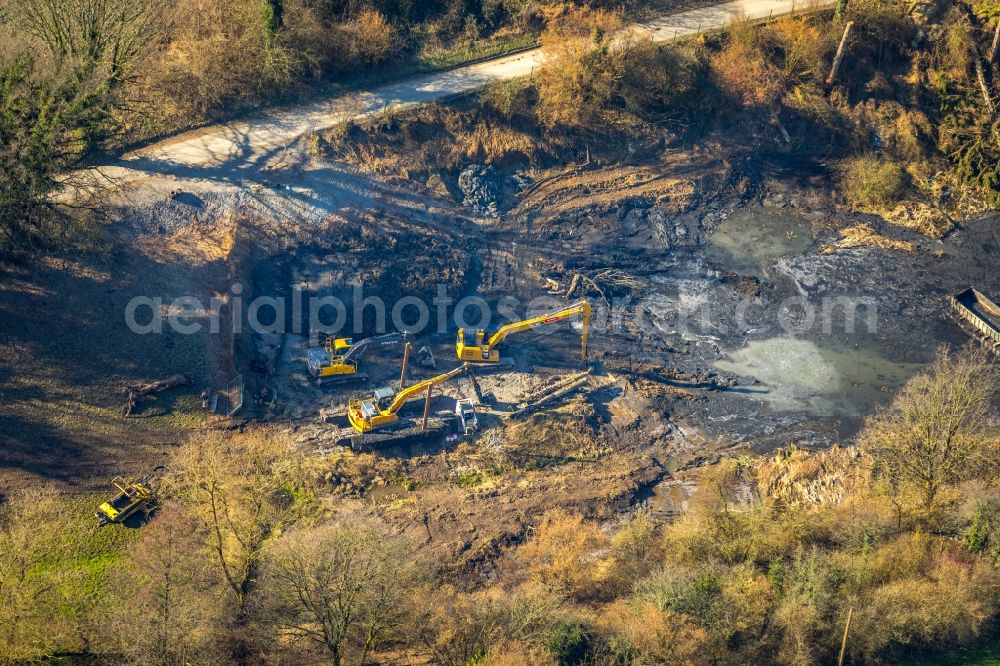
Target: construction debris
pixel 602 282
pixel 425 357
pixel 920 217
pixel 973 307
pixel 861 235
pixel 226 401
pixel 550 392
pixel 711 381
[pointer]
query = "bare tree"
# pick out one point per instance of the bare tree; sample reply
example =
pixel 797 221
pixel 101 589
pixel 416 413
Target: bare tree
pixel 63 71
pixel 91 33
pixel 941 427
pixel 30 622
pixel 167 590
pixel 236 486
pixel 339 586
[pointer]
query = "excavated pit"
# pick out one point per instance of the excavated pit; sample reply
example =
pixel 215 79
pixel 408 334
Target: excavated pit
pixel 688 277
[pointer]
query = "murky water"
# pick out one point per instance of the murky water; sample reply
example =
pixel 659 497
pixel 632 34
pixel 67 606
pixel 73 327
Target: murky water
pixel 800 375
pixel 750 239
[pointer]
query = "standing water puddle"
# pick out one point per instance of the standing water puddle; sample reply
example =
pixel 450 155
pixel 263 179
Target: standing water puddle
pixel 799 375
pixel 749 239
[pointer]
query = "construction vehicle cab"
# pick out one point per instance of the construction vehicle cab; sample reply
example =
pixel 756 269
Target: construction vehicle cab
pixel 484 349
pixel 327 363
pixel 133 496
pixel 337 360
pixel 381 408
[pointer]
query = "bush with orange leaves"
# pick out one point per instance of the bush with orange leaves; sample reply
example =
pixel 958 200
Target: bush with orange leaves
pixel 643 634
pixel 566 555
pixel 748 76
pixel 370 37
pixel 458 628
pixel 517 653
pixel 803 49
pixel 584 66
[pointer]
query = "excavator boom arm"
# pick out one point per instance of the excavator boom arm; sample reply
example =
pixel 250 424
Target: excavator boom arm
pixel 579 308
pixel 359 350
pixel 415 390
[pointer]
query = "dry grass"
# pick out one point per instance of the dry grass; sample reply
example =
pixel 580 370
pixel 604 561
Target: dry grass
pixel 861 235
pixel 795 477
pixel 920 217
pixel 64 391
pixel 420 143
pixel 581 72
pixel 755 82
pixel 873 184
pixel 557 437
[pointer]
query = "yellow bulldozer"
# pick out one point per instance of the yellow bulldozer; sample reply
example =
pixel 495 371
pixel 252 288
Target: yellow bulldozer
pixel 133 497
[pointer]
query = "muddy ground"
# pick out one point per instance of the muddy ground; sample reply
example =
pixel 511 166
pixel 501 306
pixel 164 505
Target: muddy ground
pixel 698 273
pixel 691 259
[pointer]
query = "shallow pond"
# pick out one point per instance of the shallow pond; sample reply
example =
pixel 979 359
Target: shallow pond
pixel 834 380
pixel 750 239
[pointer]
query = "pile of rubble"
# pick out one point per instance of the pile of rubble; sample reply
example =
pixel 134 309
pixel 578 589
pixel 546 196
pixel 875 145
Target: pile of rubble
pixel 481 186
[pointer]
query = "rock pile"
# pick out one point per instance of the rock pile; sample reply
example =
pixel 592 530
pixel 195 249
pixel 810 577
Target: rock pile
pixel 481 186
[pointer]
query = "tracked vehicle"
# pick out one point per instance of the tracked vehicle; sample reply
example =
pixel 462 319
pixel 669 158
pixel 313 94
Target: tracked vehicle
pixel 485 349
pixel 337 360
pixel 133 497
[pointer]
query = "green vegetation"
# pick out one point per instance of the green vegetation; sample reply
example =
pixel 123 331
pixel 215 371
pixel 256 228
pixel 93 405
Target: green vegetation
pixel 870 182
pixel 918 103
pixel 469 479
pixel 907 120
pixel 63 68
pixel 988 655
pixel 483 49
pixel 56 571
pixel 904 124
pixel 262 554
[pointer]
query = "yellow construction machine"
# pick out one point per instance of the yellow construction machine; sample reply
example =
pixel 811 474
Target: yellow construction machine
pixel 338 360
pixel 133 496
pixel 485 349
pixel 381 409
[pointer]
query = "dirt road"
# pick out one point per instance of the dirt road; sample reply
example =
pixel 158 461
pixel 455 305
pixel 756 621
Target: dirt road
pixel 229 149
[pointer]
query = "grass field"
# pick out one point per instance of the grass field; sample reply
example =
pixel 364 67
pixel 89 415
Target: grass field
pixel 986 655
pixel 66 355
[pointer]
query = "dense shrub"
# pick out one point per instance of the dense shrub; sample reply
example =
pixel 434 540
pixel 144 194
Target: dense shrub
pixel 873 183
pixel 753 81
pixel 567 643
pixel 583 68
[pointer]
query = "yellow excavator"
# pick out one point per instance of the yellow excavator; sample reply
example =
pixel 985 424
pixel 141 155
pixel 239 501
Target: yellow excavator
pixel 381 409
pixel 337 361
pixel 485 349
